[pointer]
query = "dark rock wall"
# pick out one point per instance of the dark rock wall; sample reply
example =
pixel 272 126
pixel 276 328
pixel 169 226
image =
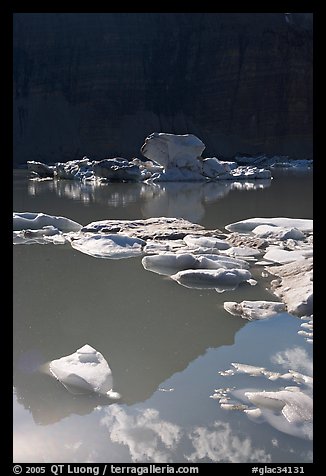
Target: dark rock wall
pixel 98 84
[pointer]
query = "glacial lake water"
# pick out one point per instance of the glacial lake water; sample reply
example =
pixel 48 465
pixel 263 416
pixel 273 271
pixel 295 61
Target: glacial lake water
pixel 164 343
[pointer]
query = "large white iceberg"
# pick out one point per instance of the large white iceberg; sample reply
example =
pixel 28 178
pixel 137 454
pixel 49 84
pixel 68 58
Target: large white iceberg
pixel 84 371
pixel 220 279
pixel 37 221
pixel 171 150
pixel 254 309
pixel 111 246
pixel 251 223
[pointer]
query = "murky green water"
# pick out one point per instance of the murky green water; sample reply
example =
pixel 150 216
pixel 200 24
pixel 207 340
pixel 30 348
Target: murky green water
pixel 164 343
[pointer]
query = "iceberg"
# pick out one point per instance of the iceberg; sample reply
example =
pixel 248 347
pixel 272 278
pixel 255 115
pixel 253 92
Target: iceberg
pixel 84 371
pixel 171 150
pixel 37 221
pixel 109 246
pixel 250 224
pixel 220 279
pixel 254 309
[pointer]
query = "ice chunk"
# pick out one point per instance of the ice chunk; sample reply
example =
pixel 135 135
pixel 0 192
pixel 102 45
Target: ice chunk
pixel 206 242
pixel 251 223
pixel 84 371
pixel 254 309
pixel 37 221
pixel 278 232
pixel 214 168
pixel 220 279
pixel 169 263
pixel 117 170
pixel 40 169
pixel 109 246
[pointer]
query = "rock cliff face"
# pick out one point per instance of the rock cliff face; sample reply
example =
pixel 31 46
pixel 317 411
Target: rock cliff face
pixel 98 84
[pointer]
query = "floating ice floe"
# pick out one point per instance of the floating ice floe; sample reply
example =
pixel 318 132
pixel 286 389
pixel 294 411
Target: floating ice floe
pixel 220 279
pixel 109 246
pixel 37 221
pixel 84 371
pixel 250 224
pixel 254 309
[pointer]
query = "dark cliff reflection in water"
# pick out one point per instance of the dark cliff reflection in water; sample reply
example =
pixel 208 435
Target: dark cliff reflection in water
pixel 164 343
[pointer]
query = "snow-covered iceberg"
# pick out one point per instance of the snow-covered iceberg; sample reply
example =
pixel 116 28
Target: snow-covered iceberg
pixel 111 246
pixel 254 309
pixel 84 371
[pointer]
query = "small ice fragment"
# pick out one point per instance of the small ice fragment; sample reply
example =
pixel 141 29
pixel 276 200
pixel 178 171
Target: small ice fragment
pixel 84 371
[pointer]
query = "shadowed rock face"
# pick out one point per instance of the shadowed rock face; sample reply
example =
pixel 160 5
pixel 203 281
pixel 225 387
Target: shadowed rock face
pixel 98 84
